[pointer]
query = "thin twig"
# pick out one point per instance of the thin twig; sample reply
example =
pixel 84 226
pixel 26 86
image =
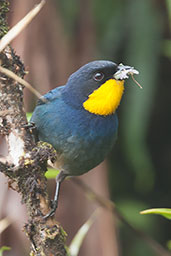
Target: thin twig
pixel 133 78
pixel 12 75
pixel 13 32
pixel 109 205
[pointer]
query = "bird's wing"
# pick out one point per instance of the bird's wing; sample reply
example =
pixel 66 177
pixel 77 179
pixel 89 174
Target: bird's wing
pixel 51 95
pixel 44 106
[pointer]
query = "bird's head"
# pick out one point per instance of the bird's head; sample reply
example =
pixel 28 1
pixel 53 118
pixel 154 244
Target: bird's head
pixel 97 86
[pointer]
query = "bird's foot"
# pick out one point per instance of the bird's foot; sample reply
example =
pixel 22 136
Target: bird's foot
pixel 54 205
pixel 30 126
pixel 33 130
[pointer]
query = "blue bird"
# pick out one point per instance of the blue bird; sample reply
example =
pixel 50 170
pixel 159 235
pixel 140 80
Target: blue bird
pixel 79 119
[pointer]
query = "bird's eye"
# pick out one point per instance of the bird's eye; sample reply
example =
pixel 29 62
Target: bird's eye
pixel 98 76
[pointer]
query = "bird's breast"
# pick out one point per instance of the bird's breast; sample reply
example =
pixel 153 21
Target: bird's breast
pixel 86 141
pixel 81 139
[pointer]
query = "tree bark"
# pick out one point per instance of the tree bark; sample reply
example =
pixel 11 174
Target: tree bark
pixel 24 161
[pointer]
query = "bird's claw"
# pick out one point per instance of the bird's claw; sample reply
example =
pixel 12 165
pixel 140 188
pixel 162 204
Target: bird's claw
pixel 29 126
pixel 51 213
pixel 33 130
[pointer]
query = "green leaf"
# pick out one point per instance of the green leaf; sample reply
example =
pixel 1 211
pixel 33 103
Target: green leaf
pixel 82 232
pixel 29 114
pixel 169 245
pixel 51 173
pixel 4 248
pixel 160 211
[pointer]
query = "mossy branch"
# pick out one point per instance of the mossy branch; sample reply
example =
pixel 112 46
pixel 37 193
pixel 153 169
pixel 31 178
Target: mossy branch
pixel 24 161
pixel 4 8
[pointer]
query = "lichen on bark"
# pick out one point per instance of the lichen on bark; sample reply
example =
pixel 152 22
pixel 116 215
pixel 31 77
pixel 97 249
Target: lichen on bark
pixel 22 159
pixel 4 7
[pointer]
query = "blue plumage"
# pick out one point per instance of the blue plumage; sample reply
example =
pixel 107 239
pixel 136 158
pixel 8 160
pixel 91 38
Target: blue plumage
pixel 82 139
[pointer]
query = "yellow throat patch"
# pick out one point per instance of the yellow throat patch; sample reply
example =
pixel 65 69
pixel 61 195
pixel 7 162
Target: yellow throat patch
pixel 105 100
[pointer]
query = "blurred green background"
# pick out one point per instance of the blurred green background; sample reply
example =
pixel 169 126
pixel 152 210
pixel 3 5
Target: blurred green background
pixel 140 167
pixel 136 33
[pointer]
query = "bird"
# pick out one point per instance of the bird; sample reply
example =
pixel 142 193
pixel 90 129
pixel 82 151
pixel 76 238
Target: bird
pixel 79 118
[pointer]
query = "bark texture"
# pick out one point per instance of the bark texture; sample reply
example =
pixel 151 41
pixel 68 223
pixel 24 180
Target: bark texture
pixel 24 161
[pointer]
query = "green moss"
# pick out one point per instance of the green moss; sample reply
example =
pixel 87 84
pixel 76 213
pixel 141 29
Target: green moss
pixel 32 253
pixel 28 162
pixel 4 8
pixel 45 145
pixel 63 233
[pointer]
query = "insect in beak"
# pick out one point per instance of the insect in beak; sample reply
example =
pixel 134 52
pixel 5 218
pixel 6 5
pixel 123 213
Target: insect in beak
pixel 123 73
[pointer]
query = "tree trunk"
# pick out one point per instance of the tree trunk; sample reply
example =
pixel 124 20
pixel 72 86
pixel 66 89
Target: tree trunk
pixel 23 161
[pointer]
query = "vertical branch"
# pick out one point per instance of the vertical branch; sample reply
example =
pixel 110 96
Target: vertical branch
pixel 3 10
pixel 22 160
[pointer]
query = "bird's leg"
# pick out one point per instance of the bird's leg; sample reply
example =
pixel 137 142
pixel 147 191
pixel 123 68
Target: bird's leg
pixel 59 178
